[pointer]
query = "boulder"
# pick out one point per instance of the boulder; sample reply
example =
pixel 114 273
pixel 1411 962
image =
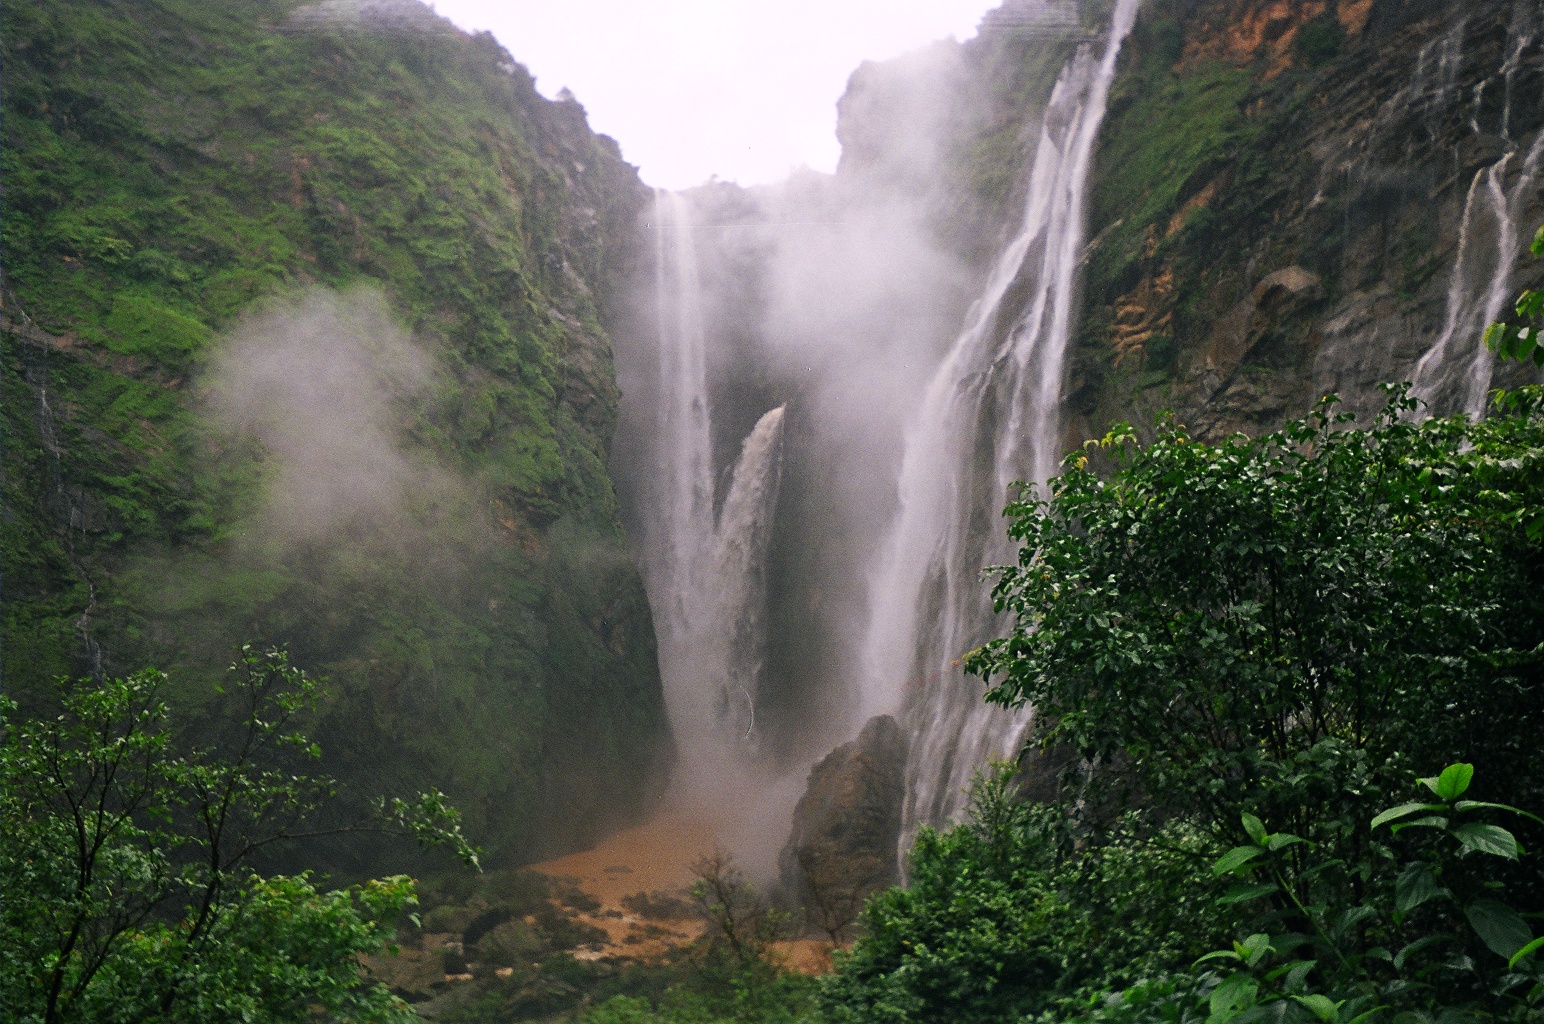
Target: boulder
pixel 1287 286
pixel 847 826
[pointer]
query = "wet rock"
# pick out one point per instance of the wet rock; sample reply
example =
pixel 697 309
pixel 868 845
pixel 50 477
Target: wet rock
pixel 846 827
pixel 1288 286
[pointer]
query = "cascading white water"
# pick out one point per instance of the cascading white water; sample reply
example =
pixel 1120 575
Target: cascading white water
pixel 706 581
pixel 990 416
pixel 683 484
pixel 1455 372
pixel 738 616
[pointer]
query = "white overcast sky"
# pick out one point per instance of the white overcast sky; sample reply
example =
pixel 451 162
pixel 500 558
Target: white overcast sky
pixel 742 89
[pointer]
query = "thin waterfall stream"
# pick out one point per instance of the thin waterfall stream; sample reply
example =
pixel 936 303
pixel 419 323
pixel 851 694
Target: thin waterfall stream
pixel 989 417
pixel 1454 373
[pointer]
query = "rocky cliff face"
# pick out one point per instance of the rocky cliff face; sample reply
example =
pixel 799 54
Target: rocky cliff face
pixel 372 222
pixel 1296 197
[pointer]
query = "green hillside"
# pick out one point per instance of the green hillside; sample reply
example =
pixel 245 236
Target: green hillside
pixel 176 174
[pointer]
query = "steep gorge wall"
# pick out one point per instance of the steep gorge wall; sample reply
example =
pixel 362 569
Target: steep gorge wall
pixel 168 170
pixel 1281 191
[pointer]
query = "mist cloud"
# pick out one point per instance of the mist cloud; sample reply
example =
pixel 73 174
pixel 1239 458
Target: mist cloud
pixel 324 385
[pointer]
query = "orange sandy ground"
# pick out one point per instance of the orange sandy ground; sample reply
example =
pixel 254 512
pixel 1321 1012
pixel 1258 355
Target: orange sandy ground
pixel 656 857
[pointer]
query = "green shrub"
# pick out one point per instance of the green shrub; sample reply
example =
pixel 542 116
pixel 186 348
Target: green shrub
pixel 1319 41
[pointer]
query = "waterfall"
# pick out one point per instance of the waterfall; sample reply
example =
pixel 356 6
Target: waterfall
pixel 72 518
pixel 706 580
pixel 1455 371
pixel 738 615
pixel 685 498
pixel 990 416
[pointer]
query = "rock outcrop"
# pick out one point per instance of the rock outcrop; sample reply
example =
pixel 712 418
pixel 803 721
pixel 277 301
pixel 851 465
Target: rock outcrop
pixel 846 827
pixel 1280 196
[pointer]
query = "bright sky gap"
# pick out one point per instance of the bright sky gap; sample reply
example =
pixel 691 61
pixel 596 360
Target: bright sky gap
pixel 744 90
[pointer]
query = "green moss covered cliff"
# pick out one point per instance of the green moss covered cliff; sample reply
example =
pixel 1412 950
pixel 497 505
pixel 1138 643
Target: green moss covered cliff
pixel 238 234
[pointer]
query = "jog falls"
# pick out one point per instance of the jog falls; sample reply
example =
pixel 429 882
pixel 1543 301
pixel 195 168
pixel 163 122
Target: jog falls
pixel 1071 551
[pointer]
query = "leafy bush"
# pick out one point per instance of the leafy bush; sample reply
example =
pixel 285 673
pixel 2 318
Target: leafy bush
pixel 1280 625
pixel 127 886
pixel 1018 904
pixel 1271 628
pixel 1421 942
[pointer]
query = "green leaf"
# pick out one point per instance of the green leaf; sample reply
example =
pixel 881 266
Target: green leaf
pixel 1243 893
pixel 1474 805
pixel 1361 1018
pixel 1234 996
pixel 1431 821
pixel 1282 840
pixel 1403 956
pixel 1295 972
pixel 1322 1007
pixel 1254 948
pixel 1455 778
pixel 1526 951
pixel 1234 859
pixel 1352 917
pixel 1499 927
pixel 1298 975
pixel 1416 885
pixel 1255 828
pixel 1491 839
pixel 1403 811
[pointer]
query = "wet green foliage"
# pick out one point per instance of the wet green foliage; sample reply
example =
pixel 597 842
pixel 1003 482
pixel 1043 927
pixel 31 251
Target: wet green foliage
pixel 1005 911
pixel 1518 336
pixel 128 885
pixel 1313 611
pixel 1406 932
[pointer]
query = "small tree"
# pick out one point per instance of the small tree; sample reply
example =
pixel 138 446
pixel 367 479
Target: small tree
pixel 740 921
pixel 126 886
pixel 834 900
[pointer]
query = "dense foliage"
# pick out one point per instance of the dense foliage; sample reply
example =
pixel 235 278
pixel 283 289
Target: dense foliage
pixel 129 889
pixel 1287 625
pixel 1005 911
pixel 169 169
pixel 1282 628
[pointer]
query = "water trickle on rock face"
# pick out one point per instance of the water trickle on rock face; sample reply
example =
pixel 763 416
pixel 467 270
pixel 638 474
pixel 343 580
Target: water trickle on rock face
pixel 991 416
pixel 706 579
pixel 1454 374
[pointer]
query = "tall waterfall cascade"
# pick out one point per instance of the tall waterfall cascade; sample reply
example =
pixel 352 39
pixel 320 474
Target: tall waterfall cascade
pixel 926 377
pixel 990 417
pixel 1455 372
pixel 706 574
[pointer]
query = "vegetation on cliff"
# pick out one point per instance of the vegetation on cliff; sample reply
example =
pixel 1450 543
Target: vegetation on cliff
pixel 1348 143
pixel 175 174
